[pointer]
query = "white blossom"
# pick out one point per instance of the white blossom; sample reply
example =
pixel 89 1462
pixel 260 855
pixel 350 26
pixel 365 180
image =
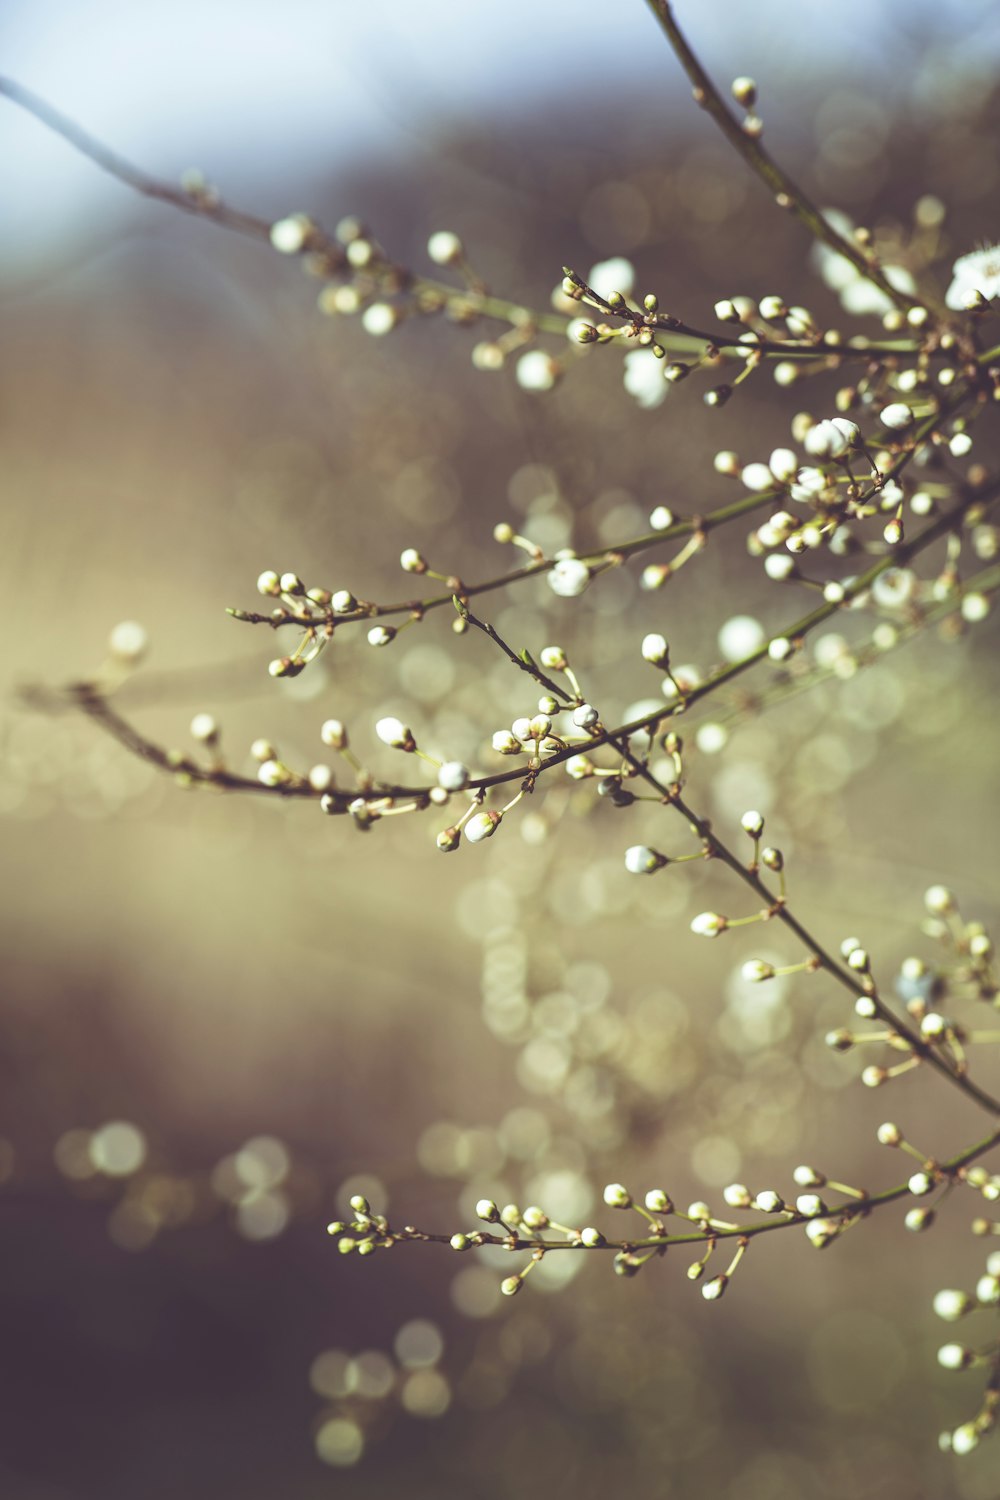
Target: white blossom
pixel 977 272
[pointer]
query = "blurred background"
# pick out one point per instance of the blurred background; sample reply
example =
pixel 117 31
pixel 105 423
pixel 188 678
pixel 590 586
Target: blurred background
pixel 222 1016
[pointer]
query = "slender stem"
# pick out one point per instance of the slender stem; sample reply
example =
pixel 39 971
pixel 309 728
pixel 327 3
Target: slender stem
pixel 787 193
pixel 846 1212
pixel 780 912
pixel 678 337
pixel 93 700
pixel 687 526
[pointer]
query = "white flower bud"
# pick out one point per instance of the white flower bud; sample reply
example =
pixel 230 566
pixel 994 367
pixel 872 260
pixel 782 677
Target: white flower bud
pixel 269 583
pixel 334 734
pixel 889 1134
pixel 755 970
pixel 487 1209
pixel 753 824
pixel 379 318
pixel 714 1289
pixel 579 767
pixel 744 91
pixel 656 650
pixel 769 1202
pixel 289 235
pixel 954 1357
pixel 569 577
pixel 920 1184
pixel 850 430
pixel 411 561
pixel 783 464
pixel 658 1202
pixel 825 440
pixel 779 566
pixel 342 602
pixel 381 635
pixel 757 477
pixel 586 716
pixel 204 729
pixel 820 1232
pixel 737 1195
pixel 482 825
pixel 617 1196
pixel 951 1305
pixel 128 642
pixel 536 371
pixel 641 860
pixel 709 924
pixel 806 1176
pixel 591 1237
pixel 810 1205
pixel 581 332
pixel 965 1438
pixel 939 901
pixel 661 518
pixel 445 248
pixel 453 776
pixel 511 1285
pixel 988 1291
pixel 272 773
pixel 394 732
pixel 896 416
pixel 773 309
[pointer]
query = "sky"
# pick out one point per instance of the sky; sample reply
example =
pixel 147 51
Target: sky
pixel 259 92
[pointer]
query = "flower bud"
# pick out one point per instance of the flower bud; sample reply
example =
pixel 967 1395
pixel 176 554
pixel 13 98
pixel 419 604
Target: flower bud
pixel 896 416
pixel 445 248
pixel 709 924
pixel 655 650
pixel 394 732
pixel 482 825
pixel 453 776
pixel 569 577
pixel 641 860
